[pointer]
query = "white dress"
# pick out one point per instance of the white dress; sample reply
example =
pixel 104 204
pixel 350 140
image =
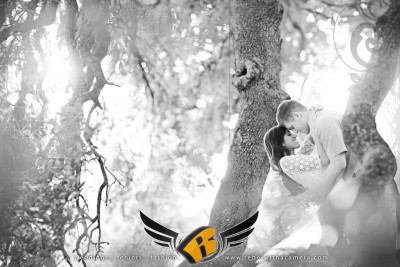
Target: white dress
pixel 305 168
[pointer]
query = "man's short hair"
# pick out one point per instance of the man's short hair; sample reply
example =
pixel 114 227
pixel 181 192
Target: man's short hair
pixel 285 110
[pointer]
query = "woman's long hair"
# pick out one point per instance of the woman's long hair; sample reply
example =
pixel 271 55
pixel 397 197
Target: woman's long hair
pixel 273 144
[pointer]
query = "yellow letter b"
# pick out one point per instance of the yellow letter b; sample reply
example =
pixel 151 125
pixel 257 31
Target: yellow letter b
pixel 198 244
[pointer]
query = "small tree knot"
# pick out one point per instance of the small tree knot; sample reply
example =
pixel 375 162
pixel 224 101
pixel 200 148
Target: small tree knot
pixel 374 109
pixel 375 170
pixel 246 72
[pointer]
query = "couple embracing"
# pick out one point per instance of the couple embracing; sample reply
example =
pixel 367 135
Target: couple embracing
pixel 320 170
pixel 320 161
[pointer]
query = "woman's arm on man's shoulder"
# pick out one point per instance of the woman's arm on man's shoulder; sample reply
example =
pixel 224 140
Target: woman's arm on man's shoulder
pixel 307 147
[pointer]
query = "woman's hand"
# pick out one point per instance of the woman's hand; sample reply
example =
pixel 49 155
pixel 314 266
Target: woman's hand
pixel 316 108
pixel 310 138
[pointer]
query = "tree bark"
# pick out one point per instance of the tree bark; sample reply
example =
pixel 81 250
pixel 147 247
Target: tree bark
pixel 377 197
pixel 257 46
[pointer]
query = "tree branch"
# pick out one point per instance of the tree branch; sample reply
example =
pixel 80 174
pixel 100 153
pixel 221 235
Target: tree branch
pixel 331 4
pixel 366 98
pixel 47 17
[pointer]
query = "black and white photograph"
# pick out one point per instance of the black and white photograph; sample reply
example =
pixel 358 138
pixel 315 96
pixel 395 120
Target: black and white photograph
pixel 179 133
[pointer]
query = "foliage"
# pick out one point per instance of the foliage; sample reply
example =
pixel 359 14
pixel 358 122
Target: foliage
pixel 178 99
pixel 68 133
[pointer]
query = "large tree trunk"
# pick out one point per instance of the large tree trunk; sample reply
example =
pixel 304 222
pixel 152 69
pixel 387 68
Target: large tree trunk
pixel 373 241
pixel 257 44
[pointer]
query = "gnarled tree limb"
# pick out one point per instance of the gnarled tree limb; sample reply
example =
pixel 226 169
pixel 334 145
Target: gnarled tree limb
pixel 46 17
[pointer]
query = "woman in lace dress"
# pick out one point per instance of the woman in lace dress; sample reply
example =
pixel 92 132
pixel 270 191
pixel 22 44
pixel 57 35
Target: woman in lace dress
pixel 302 172
pixel 299 171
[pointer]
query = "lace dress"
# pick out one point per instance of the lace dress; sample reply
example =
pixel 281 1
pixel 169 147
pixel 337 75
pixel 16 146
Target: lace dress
pixel 304 167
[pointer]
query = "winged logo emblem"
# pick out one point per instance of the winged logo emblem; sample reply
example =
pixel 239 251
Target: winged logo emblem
pixel 202 244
